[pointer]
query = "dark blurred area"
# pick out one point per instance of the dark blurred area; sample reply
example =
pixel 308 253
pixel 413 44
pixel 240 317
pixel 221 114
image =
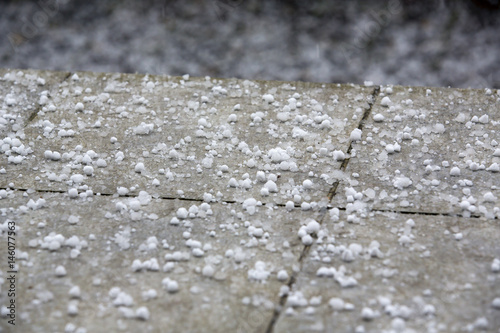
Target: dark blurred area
pixel 408 42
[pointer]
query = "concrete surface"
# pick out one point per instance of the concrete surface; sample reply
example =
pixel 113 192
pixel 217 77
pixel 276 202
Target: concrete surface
pixel 145 203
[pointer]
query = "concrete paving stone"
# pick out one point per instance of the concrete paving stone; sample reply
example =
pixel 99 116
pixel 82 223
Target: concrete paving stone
pixel 427 150
pixel 92 262
pixel 193 136
pixel 412 273
pixel 21 95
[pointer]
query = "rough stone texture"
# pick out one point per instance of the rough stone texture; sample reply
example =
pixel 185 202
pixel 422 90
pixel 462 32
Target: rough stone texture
pixel 20 93
pixel 193 137
pixel 418 255
pixel 437 129
pixel 109 240
pixel 430 279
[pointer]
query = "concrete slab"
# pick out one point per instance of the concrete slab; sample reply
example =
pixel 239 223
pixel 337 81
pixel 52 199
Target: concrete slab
pixel 428 150
pixel 150 203
pixel 230 138
pixel 412 273
pixel 106 263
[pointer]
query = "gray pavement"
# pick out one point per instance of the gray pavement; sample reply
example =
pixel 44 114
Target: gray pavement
pixel 157 203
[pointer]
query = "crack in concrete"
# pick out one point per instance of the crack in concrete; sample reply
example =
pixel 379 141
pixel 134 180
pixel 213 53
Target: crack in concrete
pixel 331 194
pixel 39 107
pixel 361 124
pixel 404 212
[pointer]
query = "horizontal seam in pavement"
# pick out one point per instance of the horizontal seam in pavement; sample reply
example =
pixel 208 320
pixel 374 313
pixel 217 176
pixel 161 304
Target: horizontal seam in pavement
pixel 331 194
pixel 405 212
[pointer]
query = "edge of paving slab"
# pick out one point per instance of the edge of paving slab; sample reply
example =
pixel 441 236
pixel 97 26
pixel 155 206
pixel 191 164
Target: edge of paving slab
pixel 331 194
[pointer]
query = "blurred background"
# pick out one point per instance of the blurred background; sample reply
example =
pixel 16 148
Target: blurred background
pixel 410 42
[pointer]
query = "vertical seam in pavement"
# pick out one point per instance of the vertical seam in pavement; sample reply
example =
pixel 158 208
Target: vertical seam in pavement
pixel 305 251
pixel 343 166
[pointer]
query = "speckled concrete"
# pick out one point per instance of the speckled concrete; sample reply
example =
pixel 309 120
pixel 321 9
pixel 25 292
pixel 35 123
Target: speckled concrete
pixel 437 130
pixel 247 206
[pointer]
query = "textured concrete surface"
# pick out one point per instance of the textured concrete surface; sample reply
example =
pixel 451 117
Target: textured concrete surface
pixel 200 132
pixel 155 204
pixel 415 273
pixel 429 150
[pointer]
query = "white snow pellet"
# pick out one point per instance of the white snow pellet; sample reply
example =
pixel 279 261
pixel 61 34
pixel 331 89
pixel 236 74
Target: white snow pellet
pixel 356 134
pixel 312 227
pixel 88 170
pixel 271 186
pixel 261 176
pixel 496 303
pixel 455 171
pixel 139 167
pixel 368 314
pixel 378 117
pixel 142 313
pixel 72 219
pixel 75 292
pixel 79 106
pixel 484 119
pixel 72 309
pixel 259 272
pixel 77 179
pixel 386 101
pixel 233 183
pixel 143 129
pixel 481 323
pixel 171 285
pixel 489 197
pixel 398 324
pixel 495 167
pixel 208 271
pixel 336 303
pixel 268 98
pixel 404 240
pixel 101 163
pixel 347 256
pixel 495 265
pixel 60 271
pixel 338 155
pixel 149 294
pixel 429 310
pixel 282 275
pixel 122 191
pixel 307 184
pixel 307 240
pixel 402 182
pixel 182 213
pixel 73 193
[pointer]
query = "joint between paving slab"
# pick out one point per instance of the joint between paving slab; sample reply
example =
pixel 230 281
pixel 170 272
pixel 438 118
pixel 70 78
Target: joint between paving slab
pixel 293 278
pixel 474 216
pixel 331 194
pixel 345 162
pixel 405 212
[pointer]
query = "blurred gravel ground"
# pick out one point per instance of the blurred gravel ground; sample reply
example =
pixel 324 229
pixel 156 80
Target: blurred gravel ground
pixel 434 43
